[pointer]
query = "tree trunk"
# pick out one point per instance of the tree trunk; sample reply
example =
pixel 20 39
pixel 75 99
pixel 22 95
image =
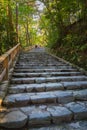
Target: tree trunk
pixel 17 20
pixel 27 34
pixel 9 27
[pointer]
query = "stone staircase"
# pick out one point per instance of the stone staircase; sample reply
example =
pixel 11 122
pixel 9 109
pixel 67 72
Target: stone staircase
pixel 44 90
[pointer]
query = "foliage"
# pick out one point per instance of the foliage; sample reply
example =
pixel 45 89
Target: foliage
pixel 60 25
pixel 17 23
pixel 7 33
pixel 67 29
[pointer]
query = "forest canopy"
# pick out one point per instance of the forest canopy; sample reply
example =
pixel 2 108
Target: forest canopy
pixel 58 24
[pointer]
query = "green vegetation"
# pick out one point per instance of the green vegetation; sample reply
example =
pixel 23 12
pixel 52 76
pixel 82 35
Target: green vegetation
pixel 60 25
pixel 66 29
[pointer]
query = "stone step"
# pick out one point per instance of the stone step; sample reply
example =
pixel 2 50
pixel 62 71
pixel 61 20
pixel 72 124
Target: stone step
pixel 46 74
pixel 44 70
pixel 35 54
pixel 44 87
pixel 47 79
pixel 35 59
pixel 14 89
pixel 55 97
pixel 39 64
pixel 43 91
pixel 39 55
pixel 24 99
pixel 42 115
pixel 43 67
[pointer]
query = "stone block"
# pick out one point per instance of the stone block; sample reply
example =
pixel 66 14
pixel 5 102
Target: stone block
pixel 13 119
pixel 54 86
pixel 59 114
pixel 40 80
pixel 39 117
pixel 17 99
pixel 64 97
pixel 43 98
pixel 79 110
pixel 80 95
pixel 40 87
pixel 75 85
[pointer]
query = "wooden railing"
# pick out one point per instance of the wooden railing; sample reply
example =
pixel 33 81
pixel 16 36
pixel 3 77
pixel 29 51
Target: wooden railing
pixel 6 61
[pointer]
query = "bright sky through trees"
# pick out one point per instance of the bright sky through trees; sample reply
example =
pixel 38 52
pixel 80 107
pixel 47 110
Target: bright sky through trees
pixel 40 5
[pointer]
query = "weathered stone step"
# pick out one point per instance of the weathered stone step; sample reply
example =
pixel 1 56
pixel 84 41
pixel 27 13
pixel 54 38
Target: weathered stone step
pixel 36 63
pixel 24 99
pixel 44 87
pixel 56 97
pixel 39 55
pixel 44 90
pixel 14 89
pixel 43 115
pixel 43 67
pixel 44 70
pixel 50 61
pixel 39 64
pixel 35 54
pixel 46 74
pixel 47 79
pixel 35 59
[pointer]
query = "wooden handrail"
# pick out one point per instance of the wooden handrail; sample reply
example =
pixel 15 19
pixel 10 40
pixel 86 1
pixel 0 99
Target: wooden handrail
pixel 6 61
